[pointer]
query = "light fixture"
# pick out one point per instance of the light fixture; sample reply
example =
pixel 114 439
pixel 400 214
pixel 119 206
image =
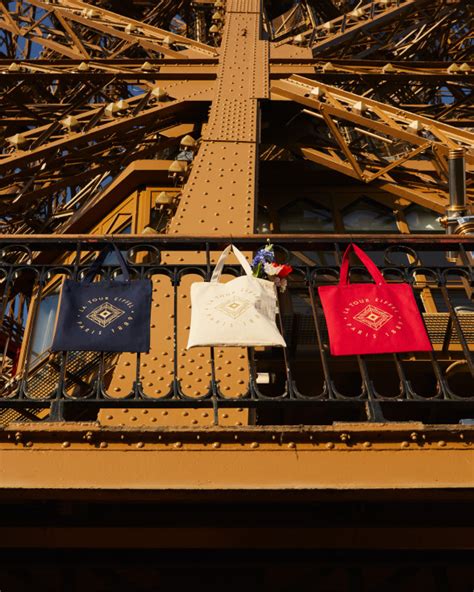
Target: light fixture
pixel 359 107
pixel 164 199
pixel 159 93
pixel 17 140
pixel 70 122
pixel 317 93
pixel 188 141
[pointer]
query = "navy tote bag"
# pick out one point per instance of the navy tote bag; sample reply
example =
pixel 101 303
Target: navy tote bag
pixel 104 316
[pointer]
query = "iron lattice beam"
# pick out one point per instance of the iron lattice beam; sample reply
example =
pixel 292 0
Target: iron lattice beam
pixel 372 141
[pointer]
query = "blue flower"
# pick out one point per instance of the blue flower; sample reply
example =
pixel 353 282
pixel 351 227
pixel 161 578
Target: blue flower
pixel 265 255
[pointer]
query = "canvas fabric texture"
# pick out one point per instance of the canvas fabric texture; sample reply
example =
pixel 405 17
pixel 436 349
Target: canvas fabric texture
pixel 240 312
pixel 104 316
pixel 374 318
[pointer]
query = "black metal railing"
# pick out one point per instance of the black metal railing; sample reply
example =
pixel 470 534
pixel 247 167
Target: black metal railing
pixel 300 384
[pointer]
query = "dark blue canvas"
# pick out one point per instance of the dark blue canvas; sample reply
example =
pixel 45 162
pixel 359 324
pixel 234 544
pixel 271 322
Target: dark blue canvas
pixel 105 316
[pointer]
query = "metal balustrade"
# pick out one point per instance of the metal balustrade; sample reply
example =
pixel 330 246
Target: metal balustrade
pixel 302 384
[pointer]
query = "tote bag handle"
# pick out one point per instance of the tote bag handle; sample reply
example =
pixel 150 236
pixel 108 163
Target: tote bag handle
pixel 220 263
pixel 97 265
pixel 365 259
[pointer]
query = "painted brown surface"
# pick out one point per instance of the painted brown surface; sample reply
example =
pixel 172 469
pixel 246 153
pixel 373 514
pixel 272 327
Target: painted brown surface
pixel 342 458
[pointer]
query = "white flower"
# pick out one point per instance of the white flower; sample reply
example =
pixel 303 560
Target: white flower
pixel 271 269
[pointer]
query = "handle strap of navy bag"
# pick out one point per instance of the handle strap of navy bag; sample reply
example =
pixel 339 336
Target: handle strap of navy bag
pixel 365 259
pixel 98 263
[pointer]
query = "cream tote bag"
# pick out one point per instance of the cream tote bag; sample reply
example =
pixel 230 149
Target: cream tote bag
pixel 240 312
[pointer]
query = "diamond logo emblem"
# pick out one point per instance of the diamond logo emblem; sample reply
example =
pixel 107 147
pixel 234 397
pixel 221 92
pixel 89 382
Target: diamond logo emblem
pixel 105 314
pixel 373 317
pixel 234 308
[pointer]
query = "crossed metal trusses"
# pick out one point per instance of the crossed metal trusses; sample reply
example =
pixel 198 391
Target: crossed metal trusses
pixel 404 154
pixel 85 91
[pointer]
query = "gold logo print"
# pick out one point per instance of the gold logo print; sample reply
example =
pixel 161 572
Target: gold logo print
pixel 373 317
pixel 105 314
pixel 234 308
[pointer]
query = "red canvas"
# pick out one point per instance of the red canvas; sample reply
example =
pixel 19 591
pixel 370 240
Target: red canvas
pixel 377 318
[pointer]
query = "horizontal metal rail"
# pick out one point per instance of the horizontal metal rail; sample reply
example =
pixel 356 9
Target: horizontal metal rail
pixel 301 384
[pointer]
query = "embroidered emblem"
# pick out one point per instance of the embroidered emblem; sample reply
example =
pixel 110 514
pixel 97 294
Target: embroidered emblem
pixel 234 308
pixel 373 317
pixel 104 314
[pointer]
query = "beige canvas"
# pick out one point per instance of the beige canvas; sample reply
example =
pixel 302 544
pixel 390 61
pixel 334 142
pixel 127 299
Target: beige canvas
pixel 240 312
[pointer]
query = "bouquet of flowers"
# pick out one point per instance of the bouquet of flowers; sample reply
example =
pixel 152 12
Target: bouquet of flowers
pixel 265 267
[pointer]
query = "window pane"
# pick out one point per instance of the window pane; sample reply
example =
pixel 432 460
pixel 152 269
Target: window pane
pixel 368 216
pixel 44 325
pixel 111 258
pixel 305 216
pixel 421 219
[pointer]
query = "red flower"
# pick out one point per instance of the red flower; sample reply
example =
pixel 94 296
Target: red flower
pixel 284 271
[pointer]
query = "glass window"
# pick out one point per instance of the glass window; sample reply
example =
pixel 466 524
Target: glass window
pixel 111 258
pixel 421 219
pixel 366 215
pixel 305 216
pixel 43 331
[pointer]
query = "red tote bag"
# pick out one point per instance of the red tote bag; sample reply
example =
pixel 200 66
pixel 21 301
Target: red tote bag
pixel 378 318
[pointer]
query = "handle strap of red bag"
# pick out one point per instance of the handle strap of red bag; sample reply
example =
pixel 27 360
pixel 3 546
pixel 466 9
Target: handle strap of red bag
pixel 365 259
